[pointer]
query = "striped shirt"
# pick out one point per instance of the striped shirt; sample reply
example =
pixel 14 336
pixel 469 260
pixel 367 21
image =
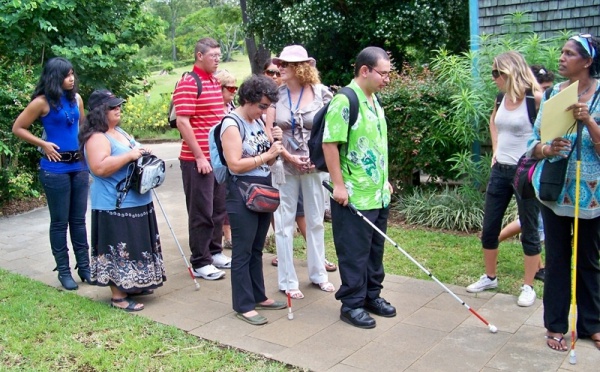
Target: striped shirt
pixel 204 111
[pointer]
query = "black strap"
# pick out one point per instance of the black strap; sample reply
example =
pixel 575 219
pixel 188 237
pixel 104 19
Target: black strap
pixel 529 101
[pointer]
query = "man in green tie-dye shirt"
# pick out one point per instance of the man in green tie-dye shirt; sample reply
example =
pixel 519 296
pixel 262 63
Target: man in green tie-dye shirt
pixel 359 173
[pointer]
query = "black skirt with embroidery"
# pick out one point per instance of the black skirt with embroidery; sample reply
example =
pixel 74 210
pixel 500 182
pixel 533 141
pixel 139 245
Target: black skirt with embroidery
pixel 126 251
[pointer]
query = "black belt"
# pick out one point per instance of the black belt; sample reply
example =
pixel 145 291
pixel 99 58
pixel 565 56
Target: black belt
pixel 69 156
pixel 505 166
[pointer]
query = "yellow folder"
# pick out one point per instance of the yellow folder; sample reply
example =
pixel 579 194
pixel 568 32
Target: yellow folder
pixel 556 121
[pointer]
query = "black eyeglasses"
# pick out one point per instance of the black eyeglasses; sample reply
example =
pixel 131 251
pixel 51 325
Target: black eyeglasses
pixel 272 73
pixel 495 74
pixel 384 75
pixel 284 64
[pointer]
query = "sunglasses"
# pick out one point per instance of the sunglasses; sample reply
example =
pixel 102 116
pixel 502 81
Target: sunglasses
pixel 272 73
pixel 115 107
pixel 263 106
pixel 588 46
pixel 230 89
pixel 284 64
pixel 495 74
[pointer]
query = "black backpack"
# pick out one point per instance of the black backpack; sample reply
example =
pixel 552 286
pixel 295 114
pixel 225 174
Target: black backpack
pixel 315 143
pixel 171 113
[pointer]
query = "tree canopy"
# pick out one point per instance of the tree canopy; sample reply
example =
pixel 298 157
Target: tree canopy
pixel 334 31
pixel 101 38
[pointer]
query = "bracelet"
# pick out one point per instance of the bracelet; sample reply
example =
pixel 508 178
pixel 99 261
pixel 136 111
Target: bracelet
pixel 261 158
pixel 543 153
pixel 595 143
pixel 255 163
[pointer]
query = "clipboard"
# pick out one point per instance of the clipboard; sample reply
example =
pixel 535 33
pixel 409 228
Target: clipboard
pixel 556 121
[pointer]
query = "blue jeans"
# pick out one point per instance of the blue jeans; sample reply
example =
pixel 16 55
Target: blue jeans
pixel 67 195
pixel 498 194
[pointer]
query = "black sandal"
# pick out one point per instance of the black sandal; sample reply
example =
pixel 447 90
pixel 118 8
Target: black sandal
pixel 131 304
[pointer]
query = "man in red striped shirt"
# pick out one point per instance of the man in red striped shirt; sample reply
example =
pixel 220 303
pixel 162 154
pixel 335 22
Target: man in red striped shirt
pixel 205 198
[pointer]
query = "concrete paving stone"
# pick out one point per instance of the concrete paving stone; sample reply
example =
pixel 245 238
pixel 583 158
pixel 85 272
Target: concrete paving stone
pixel 409 337
pixel 587 357
pixel 204 310
pixel 253 345
pixel 313 355
pixel 449 355
pixel 287 332
pixel 537 318
pixel 448 303
pixel 442 320
pixel 398 279
pixel 527 358
pixel 342 367
pixel 226 330
pixel 416 286
pixel 383 357
pixel 503 312
pixel 405 304
pixel 177 321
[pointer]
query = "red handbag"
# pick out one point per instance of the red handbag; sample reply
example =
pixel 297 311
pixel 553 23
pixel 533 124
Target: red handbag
pixel 259 198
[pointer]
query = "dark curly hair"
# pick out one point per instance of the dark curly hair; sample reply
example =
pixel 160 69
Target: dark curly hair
pixel 50 84
pixel 95 121
pixel 542 74
pixel 255 87
pixel 595 44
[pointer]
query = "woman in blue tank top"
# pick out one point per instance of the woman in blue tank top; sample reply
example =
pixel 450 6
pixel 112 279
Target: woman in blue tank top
pixel 126 251
pixel 63 174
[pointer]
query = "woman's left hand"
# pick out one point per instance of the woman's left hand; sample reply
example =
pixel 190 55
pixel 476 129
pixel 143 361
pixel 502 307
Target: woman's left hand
pixel 580 111
pixel 276 133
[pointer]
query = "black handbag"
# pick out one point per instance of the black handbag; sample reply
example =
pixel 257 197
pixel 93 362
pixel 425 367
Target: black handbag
pixel 552 179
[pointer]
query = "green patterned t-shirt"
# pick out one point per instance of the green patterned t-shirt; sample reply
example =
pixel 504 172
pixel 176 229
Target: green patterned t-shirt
pixel 364 161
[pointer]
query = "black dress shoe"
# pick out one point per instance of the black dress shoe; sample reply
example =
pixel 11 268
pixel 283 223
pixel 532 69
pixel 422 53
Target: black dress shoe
pixel 381 307
pixel 357 317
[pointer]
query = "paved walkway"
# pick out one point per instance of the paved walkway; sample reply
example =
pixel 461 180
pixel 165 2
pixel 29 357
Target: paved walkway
pixel 432 331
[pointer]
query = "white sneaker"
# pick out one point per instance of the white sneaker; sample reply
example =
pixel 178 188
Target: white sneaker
pixel 482 284
pixel 208 272
pixel 527 296
pixel 221 261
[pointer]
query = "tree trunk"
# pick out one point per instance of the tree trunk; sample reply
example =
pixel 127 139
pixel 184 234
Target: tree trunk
pixel 257 55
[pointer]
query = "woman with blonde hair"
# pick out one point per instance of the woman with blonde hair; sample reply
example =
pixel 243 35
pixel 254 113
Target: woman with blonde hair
pixel 510 128
pixel 300 97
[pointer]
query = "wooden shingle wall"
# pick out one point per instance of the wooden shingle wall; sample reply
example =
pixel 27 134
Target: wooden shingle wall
pixel 549 17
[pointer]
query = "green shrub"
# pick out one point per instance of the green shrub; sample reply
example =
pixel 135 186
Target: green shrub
pixel 451 209
pixel 17 157
pixel 142 116
pixel 168 67
pixel 412 102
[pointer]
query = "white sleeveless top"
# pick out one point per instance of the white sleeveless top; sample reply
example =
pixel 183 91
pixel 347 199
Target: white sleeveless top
pixel 514 130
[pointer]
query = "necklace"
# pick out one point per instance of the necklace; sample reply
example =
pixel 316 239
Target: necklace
pixel 586 89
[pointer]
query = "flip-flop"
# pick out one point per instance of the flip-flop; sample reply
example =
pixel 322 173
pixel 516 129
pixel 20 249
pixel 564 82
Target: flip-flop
pixel 276 305
pixel 560 342
pixel 131 304
pixel 330 266
pixel 254 320
pixel 144 292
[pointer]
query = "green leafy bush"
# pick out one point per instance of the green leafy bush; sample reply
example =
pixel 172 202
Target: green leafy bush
pixel 18 159
pixel 413 101
pixel 141 115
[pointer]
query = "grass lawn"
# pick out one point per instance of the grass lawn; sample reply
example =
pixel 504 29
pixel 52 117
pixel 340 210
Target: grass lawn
pixel 42 328
pixel 239 67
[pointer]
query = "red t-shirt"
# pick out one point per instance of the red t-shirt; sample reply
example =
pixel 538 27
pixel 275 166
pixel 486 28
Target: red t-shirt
pixel 204 111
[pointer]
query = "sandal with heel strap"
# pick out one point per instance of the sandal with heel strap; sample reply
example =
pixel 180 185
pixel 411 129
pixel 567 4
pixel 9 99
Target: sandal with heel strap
pixel 131 304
